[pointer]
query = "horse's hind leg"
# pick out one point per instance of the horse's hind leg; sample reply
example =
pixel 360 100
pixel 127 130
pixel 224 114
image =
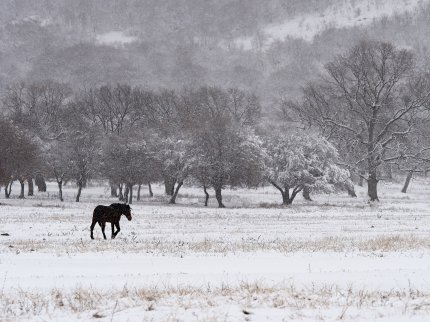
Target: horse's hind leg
pixel 92 228
pixel 103 229
pixel 113 234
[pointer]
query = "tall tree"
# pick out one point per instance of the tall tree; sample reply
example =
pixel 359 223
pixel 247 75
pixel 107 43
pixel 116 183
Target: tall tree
pixel 367 101
pixel 225 151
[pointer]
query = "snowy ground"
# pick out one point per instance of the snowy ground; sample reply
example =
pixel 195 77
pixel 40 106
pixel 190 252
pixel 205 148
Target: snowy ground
pixel 333 259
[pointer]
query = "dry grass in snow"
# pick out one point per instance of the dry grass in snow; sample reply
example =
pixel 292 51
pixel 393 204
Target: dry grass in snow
pixel 333 259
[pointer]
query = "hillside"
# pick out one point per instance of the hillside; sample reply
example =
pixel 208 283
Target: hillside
pixel 341 14
pixel 271 48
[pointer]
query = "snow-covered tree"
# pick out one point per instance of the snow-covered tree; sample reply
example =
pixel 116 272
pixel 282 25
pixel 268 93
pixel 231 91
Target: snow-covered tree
pixel 295 162
pixel 174 159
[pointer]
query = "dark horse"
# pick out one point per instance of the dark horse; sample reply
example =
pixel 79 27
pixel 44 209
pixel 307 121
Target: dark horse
pixel 112 214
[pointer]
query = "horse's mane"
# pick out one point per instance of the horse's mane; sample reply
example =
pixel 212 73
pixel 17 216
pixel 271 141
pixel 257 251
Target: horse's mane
pixel 120 206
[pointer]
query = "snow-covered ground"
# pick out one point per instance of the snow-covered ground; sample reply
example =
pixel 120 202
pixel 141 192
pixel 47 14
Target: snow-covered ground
pixel 343 14
pixel 333 259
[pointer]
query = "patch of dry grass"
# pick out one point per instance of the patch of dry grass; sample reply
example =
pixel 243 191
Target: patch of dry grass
pixel 382 243
pixel 248 296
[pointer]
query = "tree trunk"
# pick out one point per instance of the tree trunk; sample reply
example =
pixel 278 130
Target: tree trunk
pixel 284 192
pixel 21 195
pixel 113 190
pixel 40 183
pixel 8 189
pixel 408 181
pixel 296 190
pixel 138 192
pixel 361 179
pixel 285 196
pixel 218 197
pixel 130 190
pixel 389 172
pixel 126 193
pixel 151 194
pixel 351 192
pixel 30 187
pixel 372 187
pixel 120 195
pixel 169 186
pixel 207 195
pixel 60 190
pixel 307 193
pixel 175 194
pixel 78 196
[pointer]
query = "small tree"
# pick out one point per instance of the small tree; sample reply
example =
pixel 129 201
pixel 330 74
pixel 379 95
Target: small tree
pixel 415 152
pixel 128 163
pixel 296 162
pixel 7 135
pixel 174 159
pixel 232 158
pixel 83 153
pixel 58 164
pixel 19 156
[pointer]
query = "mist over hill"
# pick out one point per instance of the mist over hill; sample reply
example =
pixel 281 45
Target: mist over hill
pixel 271 47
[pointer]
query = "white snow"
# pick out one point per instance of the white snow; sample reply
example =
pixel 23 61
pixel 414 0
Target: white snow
pixel 115 38
pixel 43 22
pixel 344 14
pixel 335 258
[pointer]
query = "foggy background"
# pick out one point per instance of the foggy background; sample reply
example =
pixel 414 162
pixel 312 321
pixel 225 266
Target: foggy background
pixel 270 47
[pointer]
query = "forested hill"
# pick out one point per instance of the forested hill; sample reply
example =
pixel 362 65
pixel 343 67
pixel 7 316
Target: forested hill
pixel 271 47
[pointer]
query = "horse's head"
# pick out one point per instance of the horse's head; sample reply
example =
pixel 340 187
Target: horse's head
pixel 127 212
pixel 123 208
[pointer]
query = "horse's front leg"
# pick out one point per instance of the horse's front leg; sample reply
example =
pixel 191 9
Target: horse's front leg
pixel 113 233
pixel 117 228
pixel 103 230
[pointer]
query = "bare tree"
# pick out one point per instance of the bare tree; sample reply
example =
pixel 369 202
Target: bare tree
pixel 366 102
pixel 83 154
pixel 58 165
pixel 19 156
pixel 38 107
pixel 129 163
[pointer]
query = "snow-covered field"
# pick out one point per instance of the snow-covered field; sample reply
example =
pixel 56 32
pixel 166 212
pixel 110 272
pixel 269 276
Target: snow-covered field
pixel 333 259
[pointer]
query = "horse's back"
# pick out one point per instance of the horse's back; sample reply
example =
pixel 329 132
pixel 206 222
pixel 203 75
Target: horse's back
pixel 99 210
pixel 106 214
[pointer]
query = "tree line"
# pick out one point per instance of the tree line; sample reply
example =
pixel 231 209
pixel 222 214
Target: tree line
pixel 133 136
pixel 365 114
